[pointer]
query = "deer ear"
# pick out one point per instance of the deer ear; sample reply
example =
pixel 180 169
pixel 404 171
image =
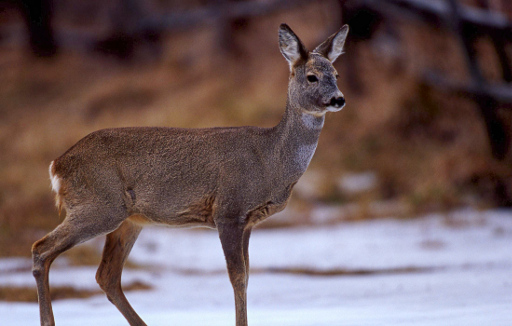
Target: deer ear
pixel 333 46
pixel 290 45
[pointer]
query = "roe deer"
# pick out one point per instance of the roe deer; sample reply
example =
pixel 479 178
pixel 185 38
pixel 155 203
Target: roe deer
pixel 114 181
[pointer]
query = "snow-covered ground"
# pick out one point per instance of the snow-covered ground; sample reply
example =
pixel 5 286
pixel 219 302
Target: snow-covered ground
pixel 453 269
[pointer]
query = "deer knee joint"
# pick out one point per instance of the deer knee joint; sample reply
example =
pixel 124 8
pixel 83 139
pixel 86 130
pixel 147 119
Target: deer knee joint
pixel 101 280
pixel 37 272
pixel 107 282
pixel 38 264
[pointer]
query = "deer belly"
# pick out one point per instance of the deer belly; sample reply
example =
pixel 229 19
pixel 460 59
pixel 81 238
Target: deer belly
pixel 197 213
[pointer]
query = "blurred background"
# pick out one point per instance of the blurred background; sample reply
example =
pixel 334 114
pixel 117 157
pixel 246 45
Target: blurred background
pixel 426 128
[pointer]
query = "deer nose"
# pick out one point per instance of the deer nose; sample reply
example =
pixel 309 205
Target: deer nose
pixel 337 102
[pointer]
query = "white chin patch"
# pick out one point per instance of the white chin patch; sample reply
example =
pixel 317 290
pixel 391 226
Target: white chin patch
pixel 331 108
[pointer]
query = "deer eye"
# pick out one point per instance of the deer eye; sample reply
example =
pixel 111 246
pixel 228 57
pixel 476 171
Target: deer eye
pixel 312 78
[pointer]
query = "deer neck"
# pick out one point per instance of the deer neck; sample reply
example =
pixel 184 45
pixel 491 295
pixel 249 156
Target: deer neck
pixel 297 137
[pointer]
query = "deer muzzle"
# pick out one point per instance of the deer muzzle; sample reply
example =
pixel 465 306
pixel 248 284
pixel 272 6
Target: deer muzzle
pixel 336 103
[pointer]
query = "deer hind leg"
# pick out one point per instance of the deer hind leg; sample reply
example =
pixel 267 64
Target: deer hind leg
pixel 117 247
pixel 72 231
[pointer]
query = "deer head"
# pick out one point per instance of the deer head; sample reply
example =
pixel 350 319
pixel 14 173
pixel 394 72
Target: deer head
pixel 312 86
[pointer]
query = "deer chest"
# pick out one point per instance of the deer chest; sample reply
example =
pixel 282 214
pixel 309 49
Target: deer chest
pixel 276 204
pixel 260 213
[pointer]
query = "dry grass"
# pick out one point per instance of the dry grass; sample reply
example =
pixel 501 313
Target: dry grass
pixel 426 147
pixel 29 294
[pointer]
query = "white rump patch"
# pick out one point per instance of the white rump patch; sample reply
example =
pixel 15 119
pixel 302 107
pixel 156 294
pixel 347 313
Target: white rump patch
pixel 54 179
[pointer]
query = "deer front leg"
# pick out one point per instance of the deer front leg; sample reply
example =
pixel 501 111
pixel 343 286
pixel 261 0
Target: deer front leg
pixel 234 237
pixel 245 244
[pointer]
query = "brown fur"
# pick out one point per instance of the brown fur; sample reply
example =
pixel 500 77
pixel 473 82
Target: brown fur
pixel 114 181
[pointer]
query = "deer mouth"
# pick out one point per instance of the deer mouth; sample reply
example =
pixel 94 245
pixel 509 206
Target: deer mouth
pixel 335 104
pixel 331 108
pixel 334 107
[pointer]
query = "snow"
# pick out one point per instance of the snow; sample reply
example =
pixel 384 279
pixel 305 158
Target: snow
pixel 453 269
